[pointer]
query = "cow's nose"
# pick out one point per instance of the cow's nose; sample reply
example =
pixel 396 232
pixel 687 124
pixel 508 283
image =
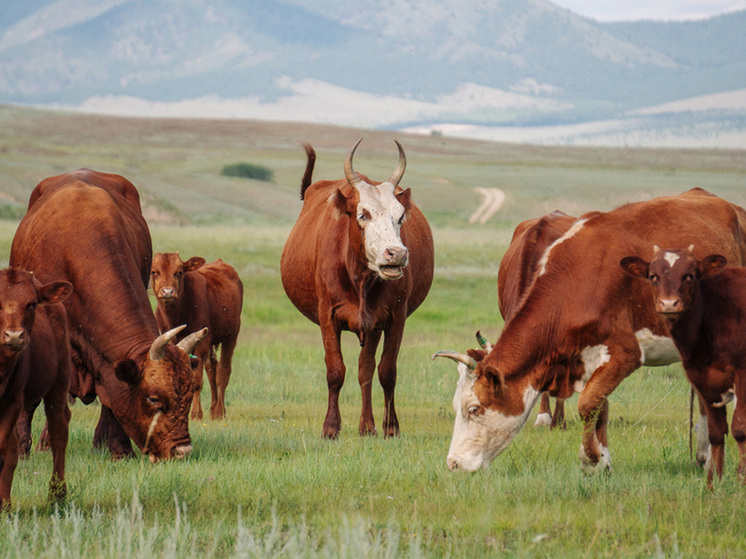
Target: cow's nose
pixel 14 337
pixel 670 305
pixel 452 464
pixel 181 452
pixel 396 256
pixel 167 293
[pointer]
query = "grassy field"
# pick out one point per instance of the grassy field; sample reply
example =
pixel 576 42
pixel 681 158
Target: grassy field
pixel 262 483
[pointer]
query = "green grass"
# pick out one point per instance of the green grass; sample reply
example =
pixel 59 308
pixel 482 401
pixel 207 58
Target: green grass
pixel 262 483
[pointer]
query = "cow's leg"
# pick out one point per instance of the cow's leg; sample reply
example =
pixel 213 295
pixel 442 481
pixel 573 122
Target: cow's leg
pixel 58 420
pixel 8 451
pixel 109 433
pixel 738 423
pixel 717 425
pixel 558 419
pixel 703 438
pixel 610 365
pixel 335 375
pixel 202 357
pixel 211 369
pixel 366 368
pixel 24 430
pixel 544 418
pixel 387 374
pixel 223 376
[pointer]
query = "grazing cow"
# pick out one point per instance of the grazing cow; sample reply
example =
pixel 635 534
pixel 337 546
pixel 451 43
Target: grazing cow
pixel 705 305
pixel 201 296
pixel 517 268
pixel 583 325
pixel 359 258
pixel 34 365
pixel 87 228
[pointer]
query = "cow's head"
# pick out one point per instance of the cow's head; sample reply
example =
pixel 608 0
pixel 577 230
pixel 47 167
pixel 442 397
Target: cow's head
pixel 489 411
pixel 160 392
pixel 20 295
pixel 167 274
pixel 674 275
pixel 379 211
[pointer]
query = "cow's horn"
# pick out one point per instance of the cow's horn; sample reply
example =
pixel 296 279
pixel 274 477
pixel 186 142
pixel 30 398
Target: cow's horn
pixel 350 174
pixel 456 356
pixel 400 167
pixel 483 343
pixel 188 344
pixel 158 349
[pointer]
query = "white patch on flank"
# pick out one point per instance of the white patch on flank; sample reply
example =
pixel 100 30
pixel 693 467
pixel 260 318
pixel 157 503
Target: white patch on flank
pixel 593 357
pixel 478 439
pixel 671 258
pixel 543 420
pixel 577 226
pixel 656 350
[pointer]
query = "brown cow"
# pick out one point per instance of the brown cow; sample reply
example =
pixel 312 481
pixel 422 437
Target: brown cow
pixel 359 258
pixel 34 365
pixel 517 268
pixel 705 305
pixel 201 296
pixel 87 227
pixel 584 325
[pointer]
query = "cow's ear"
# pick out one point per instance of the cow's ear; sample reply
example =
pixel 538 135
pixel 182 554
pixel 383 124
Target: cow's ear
pixel 341 202
pixel 405 198
pixel 496 379
pixel 476 354
pixel 711 265
pixel 54 292
pixel 127 371
pixel 635 266
pixel 194 263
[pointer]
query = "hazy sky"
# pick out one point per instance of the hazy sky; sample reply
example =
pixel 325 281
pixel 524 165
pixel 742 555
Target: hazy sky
pixel 625 10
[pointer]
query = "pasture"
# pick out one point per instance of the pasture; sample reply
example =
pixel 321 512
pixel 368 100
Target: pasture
pixel 262 483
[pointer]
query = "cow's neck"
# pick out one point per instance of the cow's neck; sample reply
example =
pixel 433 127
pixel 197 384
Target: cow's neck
pixel 687 331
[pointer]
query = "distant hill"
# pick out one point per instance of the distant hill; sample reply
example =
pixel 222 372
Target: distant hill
pixel 403 63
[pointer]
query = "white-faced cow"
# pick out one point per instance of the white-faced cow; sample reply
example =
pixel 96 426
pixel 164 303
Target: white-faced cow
pixel 705 305
pixel 34 365
pixel 87 228
pixel 359 258
pixel 584 325
pixel 201 296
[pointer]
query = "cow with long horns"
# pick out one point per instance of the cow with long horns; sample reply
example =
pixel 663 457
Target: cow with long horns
pixel 359 258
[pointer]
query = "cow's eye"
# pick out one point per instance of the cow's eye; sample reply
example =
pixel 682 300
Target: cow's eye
pixel 653 278
pixel 363 215
pixel 154 401
pixel 178 275
pixel 31 307
pixel 473 410
pixel 689 277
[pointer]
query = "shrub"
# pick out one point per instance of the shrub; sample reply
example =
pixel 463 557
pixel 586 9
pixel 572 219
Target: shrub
pixel 247 171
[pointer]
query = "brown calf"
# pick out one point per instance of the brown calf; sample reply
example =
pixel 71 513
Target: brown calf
pixel 34 365
pixel 201 296
pixel 705 305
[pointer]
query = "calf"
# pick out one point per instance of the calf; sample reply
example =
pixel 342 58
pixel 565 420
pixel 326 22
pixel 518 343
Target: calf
pixel 705 305
pixel 34 365
pixel 201 295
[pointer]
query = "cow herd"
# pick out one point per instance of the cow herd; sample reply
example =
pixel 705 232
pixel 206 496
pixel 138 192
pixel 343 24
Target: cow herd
pixel 585 301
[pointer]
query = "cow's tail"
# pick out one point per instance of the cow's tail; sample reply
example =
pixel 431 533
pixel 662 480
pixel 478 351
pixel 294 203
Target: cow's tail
pixel 306 181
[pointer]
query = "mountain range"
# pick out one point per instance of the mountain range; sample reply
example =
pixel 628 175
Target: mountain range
pixel 438 66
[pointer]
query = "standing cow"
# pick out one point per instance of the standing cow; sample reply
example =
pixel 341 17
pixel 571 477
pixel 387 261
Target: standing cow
pixel 87 228
pixel 705 305
pixel 201 296
pixel 34 365
pixel 583 325
pixel 359 258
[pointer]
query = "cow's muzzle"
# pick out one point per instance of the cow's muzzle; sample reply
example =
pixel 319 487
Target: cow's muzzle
pixel 15 340
pixel 395 260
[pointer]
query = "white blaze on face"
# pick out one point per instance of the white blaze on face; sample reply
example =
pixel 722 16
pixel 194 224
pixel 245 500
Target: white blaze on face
pixel 577 226
pixel 671 258
pixel 479 437
pixel 381 215
pixel 593 357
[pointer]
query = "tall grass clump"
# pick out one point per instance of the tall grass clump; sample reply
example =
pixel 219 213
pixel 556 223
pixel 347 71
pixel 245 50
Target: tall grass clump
pixel 247 171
